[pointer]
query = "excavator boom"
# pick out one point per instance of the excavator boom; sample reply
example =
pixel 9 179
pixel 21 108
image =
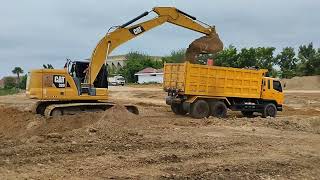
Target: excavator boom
pixel 125 33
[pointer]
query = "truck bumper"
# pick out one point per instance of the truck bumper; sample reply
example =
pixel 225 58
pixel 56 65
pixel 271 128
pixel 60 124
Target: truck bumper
pixel 279 107
pixel 172 100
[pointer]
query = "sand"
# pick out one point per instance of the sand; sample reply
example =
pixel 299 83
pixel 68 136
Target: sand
pixel 156 144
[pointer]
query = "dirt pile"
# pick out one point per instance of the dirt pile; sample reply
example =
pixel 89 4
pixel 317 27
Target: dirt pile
pixel 302 83
pixel 114 118
pixel 209 44
pixel 17 124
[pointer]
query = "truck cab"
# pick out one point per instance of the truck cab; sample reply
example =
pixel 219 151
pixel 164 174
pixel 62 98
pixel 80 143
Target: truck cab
pixel 272 90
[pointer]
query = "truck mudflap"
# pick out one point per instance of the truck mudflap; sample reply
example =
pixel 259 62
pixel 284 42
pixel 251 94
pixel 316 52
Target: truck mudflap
pixel 279 107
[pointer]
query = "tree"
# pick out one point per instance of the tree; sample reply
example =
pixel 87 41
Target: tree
pixel 228 57
pixel 136 62
pixel 175 56
pixel 309 60
pixel 23 82
pixel 10 82
pixel 287 62
pixel 47 66
pixel 265 58
pixel 17 71
pixel 261 57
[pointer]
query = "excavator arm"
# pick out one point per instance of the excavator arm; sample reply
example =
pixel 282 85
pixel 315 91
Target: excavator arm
pixel 125 33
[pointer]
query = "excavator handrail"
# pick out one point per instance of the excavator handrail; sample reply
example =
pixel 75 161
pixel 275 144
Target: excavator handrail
pixel 125 33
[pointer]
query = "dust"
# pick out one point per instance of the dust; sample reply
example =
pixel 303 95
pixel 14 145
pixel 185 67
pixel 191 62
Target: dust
pixel 209 44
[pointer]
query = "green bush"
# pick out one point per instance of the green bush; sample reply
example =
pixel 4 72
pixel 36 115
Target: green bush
pixel 4 92
pixel 136 62
pixel 10 82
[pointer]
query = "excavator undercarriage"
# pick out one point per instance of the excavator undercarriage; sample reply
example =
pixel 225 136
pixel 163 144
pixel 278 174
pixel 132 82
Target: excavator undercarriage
pixel 58 108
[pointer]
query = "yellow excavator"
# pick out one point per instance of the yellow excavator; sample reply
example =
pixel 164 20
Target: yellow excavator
pixel 83 86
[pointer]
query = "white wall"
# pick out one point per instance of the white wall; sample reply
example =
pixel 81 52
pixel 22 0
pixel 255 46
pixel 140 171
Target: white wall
pixel 149 78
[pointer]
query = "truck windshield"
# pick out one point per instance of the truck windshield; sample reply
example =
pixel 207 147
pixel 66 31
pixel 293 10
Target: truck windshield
pixel 277 86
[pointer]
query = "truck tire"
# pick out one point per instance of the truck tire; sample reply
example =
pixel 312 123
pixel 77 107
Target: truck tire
pixel 200 109
pixel 218 109
pixel 269 110
pixel 247 113
pixel 178 109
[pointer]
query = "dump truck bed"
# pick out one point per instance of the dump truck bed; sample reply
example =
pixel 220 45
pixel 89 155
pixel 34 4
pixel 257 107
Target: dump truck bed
pixel 204 80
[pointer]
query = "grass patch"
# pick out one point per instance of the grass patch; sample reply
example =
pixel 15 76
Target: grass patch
pixel 4 92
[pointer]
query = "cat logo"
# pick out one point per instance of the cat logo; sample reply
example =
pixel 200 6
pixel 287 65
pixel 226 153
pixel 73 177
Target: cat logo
pixel 137 30
pixel 59 81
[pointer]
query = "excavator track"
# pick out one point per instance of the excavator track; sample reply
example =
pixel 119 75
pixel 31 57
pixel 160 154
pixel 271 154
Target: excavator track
pixel 58 109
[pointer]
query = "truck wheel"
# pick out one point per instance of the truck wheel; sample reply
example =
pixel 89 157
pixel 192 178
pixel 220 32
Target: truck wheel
pixel 269 110
pixel 200 109
pixel 247 113
pixel 218 109
pixel 178 109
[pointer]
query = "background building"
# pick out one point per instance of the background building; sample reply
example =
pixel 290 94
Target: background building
pixel 150 75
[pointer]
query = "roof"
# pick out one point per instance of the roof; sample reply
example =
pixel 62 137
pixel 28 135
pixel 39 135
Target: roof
pixel 150 70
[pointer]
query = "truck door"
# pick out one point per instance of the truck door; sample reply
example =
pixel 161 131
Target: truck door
pixel 277 91
pixel 272 90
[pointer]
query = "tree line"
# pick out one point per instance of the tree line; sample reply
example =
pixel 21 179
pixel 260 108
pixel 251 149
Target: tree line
pixel 285 64
pixel 18 82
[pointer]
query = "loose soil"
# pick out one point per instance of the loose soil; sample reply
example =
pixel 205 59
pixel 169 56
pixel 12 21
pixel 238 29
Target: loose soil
pixel 209 44
pixel 156 144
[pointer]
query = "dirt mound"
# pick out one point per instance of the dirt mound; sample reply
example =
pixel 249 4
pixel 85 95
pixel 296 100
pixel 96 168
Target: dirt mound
pixel 207 44
pixel 116 117
pixel 16 123
pixel 302 83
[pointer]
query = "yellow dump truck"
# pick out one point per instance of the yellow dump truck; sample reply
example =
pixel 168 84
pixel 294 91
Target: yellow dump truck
pixel 203 91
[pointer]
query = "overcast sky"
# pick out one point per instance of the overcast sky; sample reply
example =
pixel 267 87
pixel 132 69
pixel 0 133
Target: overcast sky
pixel 35 32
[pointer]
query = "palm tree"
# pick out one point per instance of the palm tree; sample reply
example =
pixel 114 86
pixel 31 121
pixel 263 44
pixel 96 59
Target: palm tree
pixel 17 71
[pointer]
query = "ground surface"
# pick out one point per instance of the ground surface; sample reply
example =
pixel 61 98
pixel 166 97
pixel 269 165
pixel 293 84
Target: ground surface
pixel 158 144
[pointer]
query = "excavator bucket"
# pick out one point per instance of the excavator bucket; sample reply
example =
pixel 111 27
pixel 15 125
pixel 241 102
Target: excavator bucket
pixel 209 44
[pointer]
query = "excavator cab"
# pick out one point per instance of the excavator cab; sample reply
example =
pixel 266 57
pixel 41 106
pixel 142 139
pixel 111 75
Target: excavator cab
pixel 78 70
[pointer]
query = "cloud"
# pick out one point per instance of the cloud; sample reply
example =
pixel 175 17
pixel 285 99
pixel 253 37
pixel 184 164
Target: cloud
pixel 35 32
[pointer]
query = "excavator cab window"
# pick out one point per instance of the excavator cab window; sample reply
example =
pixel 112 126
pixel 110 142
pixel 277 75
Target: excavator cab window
pixel 78 70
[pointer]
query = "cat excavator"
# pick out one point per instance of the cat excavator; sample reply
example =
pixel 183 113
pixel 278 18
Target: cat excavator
pixel 83 86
